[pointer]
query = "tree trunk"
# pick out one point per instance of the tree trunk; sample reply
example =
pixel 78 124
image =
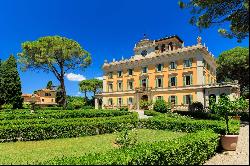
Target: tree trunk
pixel 85 94
pixel 64 96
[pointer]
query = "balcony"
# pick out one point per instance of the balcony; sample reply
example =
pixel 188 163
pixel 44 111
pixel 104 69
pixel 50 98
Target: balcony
pixel 143 89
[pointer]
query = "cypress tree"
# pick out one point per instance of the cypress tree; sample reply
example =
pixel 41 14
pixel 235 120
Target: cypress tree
pixel 2 92
pixel 12 83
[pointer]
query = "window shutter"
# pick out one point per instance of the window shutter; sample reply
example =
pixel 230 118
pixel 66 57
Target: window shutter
pixel 191 61
pixel 156 82
pixel 176 100
pixel 169 99
pixel 147 82
pixel 162 82
pixel 191 79
pixel 184 63
pixel 184 99
pixel 175 65
pixel 175 81
pixel 184 80
pixel 140 83
pixel 169 65
pixel 122 101
pixel 169 82
pixel 191 98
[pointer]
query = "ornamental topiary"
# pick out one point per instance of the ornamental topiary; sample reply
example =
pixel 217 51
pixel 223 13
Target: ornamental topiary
pixel 161 106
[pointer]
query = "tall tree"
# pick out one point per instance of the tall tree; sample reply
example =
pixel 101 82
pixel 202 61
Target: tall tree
pixel 54 54
pixel 12 83
pixel 85 87
pixel 2 89
pixel 49 85
pixel 234 65
pixel 206 13
pixel 91 85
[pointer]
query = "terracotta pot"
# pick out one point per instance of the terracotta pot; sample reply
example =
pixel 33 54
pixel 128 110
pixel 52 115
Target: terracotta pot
pixel 229 142
pixel 236 117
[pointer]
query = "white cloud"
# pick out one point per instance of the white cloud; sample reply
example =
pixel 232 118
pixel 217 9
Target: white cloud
pixel 99 78
pixel 75 77
pixel 78 94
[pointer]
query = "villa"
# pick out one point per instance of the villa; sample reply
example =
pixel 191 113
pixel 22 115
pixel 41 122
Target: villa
pixel 43 97
pixel 163 69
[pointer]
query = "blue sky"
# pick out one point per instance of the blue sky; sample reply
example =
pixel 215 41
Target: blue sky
pixel 106 28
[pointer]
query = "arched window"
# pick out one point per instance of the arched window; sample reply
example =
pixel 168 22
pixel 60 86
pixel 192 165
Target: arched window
pixel 170 46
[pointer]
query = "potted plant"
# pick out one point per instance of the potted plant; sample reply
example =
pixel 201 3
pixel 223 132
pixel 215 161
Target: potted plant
pixel 223 107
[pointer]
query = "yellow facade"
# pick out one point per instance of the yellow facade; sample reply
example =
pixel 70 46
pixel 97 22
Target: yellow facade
pixel 193 67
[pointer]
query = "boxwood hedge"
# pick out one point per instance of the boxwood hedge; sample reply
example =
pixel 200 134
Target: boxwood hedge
pixel 164 122
pixel 56 114
pixel 74 127
pixel 192 149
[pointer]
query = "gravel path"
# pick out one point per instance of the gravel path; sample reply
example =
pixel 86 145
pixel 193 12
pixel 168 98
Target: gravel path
pixel 238 157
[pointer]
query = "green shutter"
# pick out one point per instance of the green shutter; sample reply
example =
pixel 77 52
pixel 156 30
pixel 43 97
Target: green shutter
pixel 169 99
pixel 191 79
pixel 184 80
pixel 175 65
pixel 191 61
pixel 156 82
pixel 162 82
pixel 140 83
pixel 175 81
pixel 184 64
pixel 191 99
pixel 147 82
pixel 176 100
pixel 161 67
pixel 169 82
pixel 184 99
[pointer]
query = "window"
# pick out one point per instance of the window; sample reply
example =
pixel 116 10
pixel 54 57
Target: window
pixel 144 53
pixel 119 101
pixel 187 63
pixel 42 100
pixel 119 74
pixel 130 85
pixel 52 100
pixel 47 94
pixel 159 83
pixel 119 86
pixel 130 72
pixel 187 99
pixel 130 100
pixel 187 80
pixel 173 81
pixel 110 87
pixel 110 101
pixel 162 47
pixel 159 67
pixel 159 98
pixel 144 83
pixel 110 75
pixel 173 99
pixel 173 65
pixel 144 70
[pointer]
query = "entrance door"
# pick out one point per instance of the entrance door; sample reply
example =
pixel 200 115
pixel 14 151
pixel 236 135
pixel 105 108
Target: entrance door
pixel 144 102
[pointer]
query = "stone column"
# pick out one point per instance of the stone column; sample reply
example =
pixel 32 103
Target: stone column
pixel 96 104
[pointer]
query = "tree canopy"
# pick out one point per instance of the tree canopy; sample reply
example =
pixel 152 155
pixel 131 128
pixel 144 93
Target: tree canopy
pixel 54 54
pixel 234 65
pixel 206 13
pixel 92 85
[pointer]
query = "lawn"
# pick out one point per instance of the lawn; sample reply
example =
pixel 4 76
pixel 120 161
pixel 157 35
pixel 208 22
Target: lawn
pixel 36 151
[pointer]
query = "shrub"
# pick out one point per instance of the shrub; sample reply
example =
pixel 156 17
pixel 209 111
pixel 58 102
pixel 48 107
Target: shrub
pixel 61 114
pixel 123 109
pixel 192 149
pixel 127 138
pixel 145 104
pixel 184 124
pixel 196 107
pixel 200 115
pixel 161 106
pixel 67 128
pixel 151 113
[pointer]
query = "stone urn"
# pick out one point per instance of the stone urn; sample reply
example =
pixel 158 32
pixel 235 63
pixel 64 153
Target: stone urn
pixel 229 142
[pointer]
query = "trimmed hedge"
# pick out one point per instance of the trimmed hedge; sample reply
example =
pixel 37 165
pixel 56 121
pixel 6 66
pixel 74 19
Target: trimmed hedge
pixel 192 149
pixel 151 113
pixel 63 114
pixel 64 129
pixel 163 122
pixel 200 115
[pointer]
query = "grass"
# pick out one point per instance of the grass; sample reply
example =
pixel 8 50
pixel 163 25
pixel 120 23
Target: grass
pixel 37 151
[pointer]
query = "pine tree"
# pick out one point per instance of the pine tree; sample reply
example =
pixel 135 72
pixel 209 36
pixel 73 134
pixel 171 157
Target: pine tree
pixel 12 83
